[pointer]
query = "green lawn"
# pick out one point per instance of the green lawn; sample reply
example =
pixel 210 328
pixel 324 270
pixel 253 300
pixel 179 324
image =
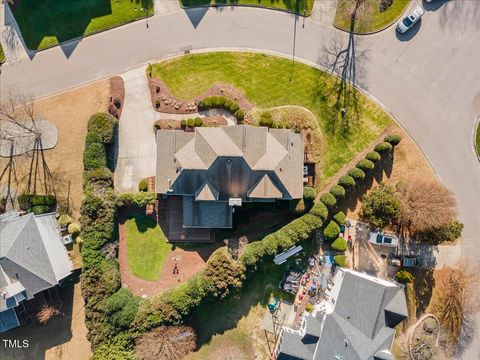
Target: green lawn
pixel 373 20
pixel 271 81
pixel 297 6
pixel 49 22
pixel 478 139
pixel 147 247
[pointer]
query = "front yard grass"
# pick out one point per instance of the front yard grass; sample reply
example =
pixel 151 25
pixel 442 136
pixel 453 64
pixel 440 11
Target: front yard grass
pixel 270 81
pixel 147 247
pixel 297 6
pixel 50 22
pixel 370 17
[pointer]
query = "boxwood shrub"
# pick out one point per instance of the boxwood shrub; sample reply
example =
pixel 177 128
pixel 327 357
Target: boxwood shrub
pixel 234 107
pixel 142 185
pixel 383 147
pixel 332 230
pixel 393 139
pixel 338 191
pixel 340 244
pixel 340 260
pixel 191 123
pixel 320 210
pixel 239 115
pixel 198 121
pixel 40 209
pixel 357 174
pixel 94 156
pixel 328 199
pixel 346 181
pixel 373 156
pixel 340 218
pixel 366 165
pixel 309 194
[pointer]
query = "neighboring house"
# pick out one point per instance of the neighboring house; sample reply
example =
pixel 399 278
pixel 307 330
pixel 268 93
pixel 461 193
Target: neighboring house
pixel 32 260
pixel 356 322
pixel 217 168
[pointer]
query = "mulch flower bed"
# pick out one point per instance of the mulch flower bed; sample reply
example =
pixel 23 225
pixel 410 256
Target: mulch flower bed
pixel 164 101
pixel 117 96
pixel 209 121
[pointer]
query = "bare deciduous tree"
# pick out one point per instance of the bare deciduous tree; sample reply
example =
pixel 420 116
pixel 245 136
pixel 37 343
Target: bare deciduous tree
pixel 425 205
pixel 166 342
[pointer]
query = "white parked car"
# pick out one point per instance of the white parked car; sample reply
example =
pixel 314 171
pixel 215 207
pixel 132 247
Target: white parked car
pixel 383 239
pixel 412 18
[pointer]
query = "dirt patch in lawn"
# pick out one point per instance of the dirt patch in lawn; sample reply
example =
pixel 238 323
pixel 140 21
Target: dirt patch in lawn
pixel 69 112
pixel 189 258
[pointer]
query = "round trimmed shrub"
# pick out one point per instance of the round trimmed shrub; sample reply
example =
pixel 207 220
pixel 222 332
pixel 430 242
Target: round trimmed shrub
pixel 340 218
pixel 346 181
pixel 191 123
pixel 74 229
pixel 320 210
pixel 266 119
pixel 220 101
pixel 297 207
pixel 430 325
pixel 340 244
pixel 64 220
pixel 240 115
pixel 340 260
pixel 366 165
pixel 373 156
pixel 404 276
pixel 92 138
pixel 332 230
pixel 309 307
pixel 94 156
pixel 40 209
pixel 356 174
pixel 328 199
pixel 143 186
pixel 183 123
pixel 383 148
pixel 234 107
pixel 200 105
pixel 227 104
pixel 198 122
pixel 393 139
pixel 207 103
pixel 104 124
pixel 102 174
pixel 309 194
pixel 338 191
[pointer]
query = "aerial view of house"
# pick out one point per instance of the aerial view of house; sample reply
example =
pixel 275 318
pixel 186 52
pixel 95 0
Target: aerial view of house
pixel 239 179
pixel 33 261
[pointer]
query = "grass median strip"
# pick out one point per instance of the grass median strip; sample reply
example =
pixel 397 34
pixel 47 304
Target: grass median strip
pixel 147 247
pixel 50 22
pixel 269 81
pixel 369 17
pixel 298 6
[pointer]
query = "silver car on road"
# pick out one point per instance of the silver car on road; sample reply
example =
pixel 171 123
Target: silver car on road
pixel 412 18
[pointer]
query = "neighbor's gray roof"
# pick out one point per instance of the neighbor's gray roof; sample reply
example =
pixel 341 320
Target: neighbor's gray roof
pixel 31 252
pixel 292 348
pixel 256 151
pixel 361 327
pixel 206 214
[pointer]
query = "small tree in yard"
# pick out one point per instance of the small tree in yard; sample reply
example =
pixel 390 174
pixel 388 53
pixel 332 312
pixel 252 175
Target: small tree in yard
pixel 340 244
pixel 332 230
pixel 166 342
pixel 404 276
pixel 438 235
pixel 381 206
pixel 425 205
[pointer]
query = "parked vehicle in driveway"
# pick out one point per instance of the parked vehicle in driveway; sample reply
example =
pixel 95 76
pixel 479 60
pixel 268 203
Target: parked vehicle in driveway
pixel 412 18
pixel 406 261
pixel 378 238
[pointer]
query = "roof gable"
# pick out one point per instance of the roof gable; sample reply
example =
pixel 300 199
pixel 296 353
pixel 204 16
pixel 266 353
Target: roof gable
pixel 264 189
pixel 206 193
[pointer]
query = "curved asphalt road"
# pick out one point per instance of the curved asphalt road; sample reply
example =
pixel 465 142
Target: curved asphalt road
pixel 429 79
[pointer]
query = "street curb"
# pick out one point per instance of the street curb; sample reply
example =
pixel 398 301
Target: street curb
pixel 245 6
pixel 476 129
pixel 375 31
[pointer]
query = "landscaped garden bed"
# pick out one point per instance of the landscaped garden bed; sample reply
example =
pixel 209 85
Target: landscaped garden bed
pixel 48 23
pixel 372 15
pixel 273 86
pixel 301 7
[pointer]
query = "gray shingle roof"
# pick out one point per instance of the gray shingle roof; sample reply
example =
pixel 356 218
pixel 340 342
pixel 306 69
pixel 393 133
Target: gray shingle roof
pixel 361 326
pixel 31 253
pixel 277 152
pixel 206 214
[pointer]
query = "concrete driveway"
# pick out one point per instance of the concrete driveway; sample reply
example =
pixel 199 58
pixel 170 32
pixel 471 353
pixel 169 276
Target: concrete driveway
pixel 429 79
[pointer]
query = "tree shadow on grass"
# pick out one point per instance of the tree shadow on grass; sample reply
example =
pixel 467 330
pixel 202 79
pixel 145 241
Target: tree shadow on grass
pixel 424 283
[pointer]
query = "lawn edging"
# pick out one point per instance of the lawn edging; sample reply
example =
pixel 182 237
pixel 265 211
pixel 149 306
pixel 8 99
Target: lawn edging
pixel 476 139
pixel 309 13
pixel 91 34
pixel 378 30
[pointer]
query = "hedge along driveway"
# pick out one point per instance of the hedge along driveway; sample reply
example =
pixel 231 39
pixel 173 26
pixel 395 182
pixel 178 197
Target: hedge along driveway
pixel 269 81
pixel 147 247
pixel 47 23
pixel 296 6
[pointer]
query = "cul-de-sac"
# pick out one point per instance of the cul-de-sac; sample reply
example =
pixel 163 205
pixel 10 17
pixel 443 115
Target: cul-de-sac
pixel 240 179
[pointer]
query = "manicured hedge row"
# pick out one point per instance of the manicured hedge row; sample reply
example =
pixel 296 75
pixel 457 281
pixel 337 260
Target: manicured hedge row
pixel 139 199
pixel 213 102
